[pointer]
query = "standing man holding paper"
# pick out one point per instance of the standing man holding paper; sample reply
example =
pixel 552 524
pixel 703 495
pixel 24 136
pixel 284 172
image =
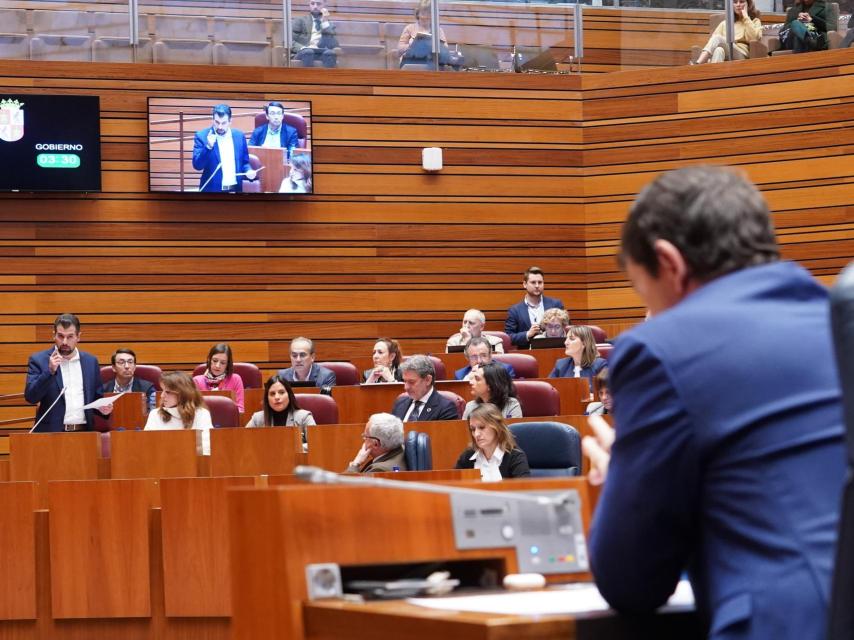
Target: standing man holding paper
pixel 62 380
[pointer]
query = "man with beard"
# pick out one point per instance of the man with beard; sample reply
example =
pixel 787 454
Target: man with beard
pixel 314 37
pixel 62 379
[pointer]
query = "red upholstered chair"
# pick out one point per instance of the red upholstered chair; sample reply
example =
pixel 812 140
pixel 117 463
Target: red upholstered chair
pixel 322 407
pixel 605 350
pixel 525 365
pixel 438 365
pixel 149 372
pixel 505 339
pixel 248 372
pixel 537 398
pixel 346 373
pixel 224 412
pixel 293 119
pixel 457 400
pixel 599 334
pixel 252 186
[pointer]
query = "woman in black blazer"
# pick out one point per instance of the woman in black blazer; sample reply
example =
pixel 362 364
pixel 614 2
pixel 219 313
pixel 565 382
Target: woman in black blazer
pixel 493 449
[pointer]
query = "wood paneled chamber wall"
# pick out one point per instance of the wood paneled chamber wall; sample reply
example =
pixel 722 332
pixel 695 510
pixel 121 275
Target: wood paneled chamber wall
pixel 539 169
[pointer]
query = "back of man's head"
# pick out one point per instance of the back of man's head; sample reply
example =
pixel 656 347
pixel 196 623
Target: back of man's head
pixel 714 216
pixel 422 365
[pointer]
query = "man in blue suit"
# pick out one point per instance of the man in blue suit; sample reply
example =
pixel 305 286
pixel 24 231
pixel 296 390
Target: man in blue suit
pixel 221 154
pixel 422 400
pixel 479 353
pixel 728 459
pixel 523 319
pixel 276 133
pixel 303 368
pixel 62 379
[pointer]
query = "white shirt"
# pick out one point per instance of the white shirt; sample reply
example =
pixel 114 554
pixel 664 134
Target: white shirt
pixel 315 32
pixel 576 371
pixel 72 378
pixel 423 400
pixel 226 156
pixel 489 471
pixel 201 421
pixel 273 139
pixel 535 312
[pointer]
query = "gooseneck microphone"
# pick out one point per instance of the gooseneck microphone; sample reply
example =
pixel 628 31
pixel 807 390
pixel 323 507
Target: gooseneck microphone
pixel 44 415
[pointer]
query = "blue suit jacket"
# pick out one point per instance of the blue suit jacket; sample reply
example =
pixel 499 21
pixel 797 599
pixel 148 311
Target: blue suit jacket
pixel 287 137
pixel 43 388
pixel 321 376
pixel 518 321
pixel 565 368
pixel 207 160
pixel 459 374
pixel 438 407
pixel 728 459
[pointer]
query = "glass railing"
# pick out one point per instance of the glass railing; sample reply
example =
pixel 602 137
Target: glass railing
pixel 606 35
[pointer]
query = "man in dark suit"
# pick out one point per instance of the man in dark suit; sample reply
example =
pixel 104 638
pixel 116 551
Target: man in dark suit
pixel 302 367
pixel 124 368
pixel 729 458
pixel 422 401
pixel 63 379
pixel 221 154
pixel 523 319
pixel 479 353
pixel 314 36
pixel 276 133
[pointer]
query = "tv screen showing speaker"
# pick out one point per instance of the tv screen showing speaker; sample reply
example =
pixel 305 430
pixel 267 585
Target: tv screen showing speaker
pixel 214 145
pixel 50 143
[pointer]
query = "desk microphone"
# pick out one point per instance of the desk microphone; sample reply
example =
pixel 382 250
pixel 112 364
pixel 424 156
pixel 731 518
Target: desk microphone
pixel 44 415
pixel 210 177
pixel 546 530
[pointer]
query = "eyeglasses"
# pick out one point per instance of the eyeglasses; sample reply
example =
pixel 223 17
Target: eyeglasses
pixel 364 437
pixel 125 363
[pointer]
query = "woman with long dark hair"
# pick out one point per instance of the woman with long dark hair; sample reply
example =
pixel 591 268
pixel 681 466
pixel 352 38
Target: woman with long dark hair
pixel 280 407
pixel 219 374
pixel 491 383
pixel 746 28
pixel 493 449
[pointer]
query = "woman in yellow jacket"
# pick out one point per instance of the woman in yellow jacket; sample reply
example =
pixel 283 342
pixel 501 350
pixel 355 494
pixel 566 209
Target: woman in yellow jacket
pixel 747 28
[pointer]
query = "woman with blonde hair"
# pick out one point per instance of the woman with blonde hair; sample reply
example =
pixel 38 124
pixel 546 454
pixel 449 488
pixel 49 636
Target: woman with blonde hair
pixel 493 448
pixel 181 407
pixel 746 28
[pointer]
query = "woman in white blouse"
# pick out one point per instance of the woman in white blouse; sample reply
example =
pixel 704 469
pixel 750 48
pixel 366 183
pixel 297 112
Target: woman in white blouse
pixel 493 449
pixel 181 407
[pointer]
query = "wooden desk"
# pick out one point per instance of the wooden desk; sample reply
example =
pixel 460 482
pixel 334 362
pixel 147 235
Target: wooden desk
pixel 333 619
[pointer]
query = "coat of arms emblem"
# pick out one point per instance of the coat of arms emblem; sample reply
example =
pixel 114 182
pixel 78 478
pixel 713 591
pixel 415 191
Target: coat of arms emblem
pixel 11 120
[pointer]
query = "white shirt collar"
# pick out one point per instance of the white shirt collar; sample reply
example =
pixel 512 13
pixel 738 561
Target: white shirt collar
pixel 489 468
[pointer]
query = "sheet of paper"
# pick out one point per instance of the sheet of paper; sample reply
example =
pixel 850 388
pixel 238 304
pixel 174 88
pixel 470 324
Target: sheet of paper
pixel 100 402
pixel 565 599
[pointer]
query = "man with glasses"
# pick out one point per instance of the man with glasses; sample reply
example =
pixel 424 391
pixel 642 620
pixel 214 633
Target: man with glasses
pixel 479 353
pixel 124 367
pixel 275 133
pixel 302 367
pixel 382 446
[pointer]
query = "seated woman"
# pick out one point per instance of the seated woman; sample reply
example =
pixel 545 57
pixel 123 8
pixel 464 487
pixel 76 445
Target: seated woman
pixel 491 383
pixel 280 407
pixel 386 363
pixel 219 374
pixel 606 401
pixel 181 407
pixel 555 324
pixel 493 449
pixel 583 360
pixel 298 179
pixel 746 27
pixel 415 45
pixel 806 27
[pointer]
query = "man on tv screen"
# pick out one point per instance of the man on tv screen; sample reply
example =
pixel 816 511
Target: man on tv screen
pixel 221 154
pixel 275 133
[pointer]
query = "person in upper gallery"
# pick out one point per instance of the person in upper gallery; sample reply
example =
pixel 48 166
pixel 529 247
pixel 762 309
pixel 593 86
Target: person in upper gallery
pixel 382 446
pixel 221 154
pixel 806 27
pixel 387 359
pixel 493 448
pixel 219 374
pixel 479 353
pixel 276 132
pixel 299 178
pixel 281 409
pixel 124 367
pixel 422 400
pixel 584 360
pixel 555 324
pixel 181 407
pixel 302 367
pixel 733 473
pixel 416 45
pixel 524 318
pixel 605 404
pixel 747 28
pixel 473 323
pixel 492 384
pixel 314 37
pixel 63 379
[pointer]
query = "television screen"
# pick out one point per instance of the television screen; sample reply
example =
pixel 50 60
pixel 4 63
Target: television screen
pixel 50 143
pixel 229 146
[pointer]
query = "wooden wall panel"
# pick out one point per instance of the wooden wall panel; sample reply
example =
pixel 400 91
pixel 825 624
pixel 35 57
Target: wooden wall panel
pixel 539 170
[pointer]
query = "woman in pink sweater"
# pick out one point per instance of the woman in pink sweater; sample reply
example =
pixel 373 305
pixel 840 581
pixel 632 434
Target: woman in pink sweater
pixel 220 374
